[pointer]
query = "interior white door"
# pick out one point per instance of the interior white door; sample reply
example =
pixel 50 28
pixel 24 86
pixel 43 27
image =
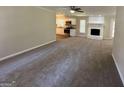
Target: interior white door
pixel 82 26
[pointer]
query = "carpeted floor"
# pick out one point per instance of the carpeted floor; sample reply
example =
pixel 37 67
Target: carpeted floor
pixel 70 62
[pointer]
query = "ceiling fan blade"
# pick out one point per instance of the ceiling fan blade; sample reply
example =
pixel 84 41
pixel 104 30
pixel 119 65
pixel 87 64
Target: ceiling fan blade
pixel 77 9
pixel 80 11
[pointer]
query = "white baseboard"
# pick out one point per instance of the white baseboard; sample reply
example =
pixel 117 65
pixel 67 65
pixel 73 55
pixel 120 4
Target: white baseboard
pixel 121 76
pixel 18 53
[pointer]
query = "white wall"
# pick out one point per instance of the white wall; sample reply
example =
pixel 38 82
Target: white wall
pixel 118 46
pixel 25 27
pixel 108 27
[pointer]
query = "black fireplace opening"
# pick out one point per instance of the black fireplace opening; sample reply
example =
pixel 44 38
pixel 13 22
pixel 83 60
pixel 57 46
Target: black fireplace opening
pixel 95 32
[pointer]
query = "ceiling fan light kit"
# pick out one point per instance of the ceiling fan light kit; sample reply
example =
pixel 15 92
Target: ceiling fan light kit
pixel 72 11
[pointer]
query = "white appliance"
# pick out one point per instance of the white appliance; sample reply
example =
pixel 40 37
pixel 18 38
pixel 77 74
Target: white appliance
pixel 72 32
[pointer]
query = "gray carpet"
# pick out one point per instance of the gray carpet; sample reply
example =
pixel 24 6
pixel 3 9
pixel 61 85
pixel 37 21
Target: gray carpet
pixel 70 62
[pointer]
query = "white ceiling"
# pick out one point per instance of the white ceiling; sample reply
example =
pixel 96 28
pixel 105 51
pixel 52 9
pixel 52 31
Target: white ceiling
pixel 88 10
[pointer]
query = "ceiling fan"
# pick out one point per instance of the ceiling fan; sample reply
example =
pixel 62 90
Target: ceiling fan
pixel 76 9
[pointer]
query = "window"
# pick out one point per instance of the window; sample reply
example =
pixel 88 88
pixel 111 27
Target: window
pixel 82 26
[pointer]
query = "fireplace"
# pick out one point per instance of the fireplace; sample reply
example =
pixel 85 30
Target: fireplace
pixel 95 32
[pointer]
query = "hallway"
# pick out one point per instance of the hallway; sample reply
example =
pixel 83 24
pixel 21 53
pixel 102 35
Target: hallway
pixel 74 61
